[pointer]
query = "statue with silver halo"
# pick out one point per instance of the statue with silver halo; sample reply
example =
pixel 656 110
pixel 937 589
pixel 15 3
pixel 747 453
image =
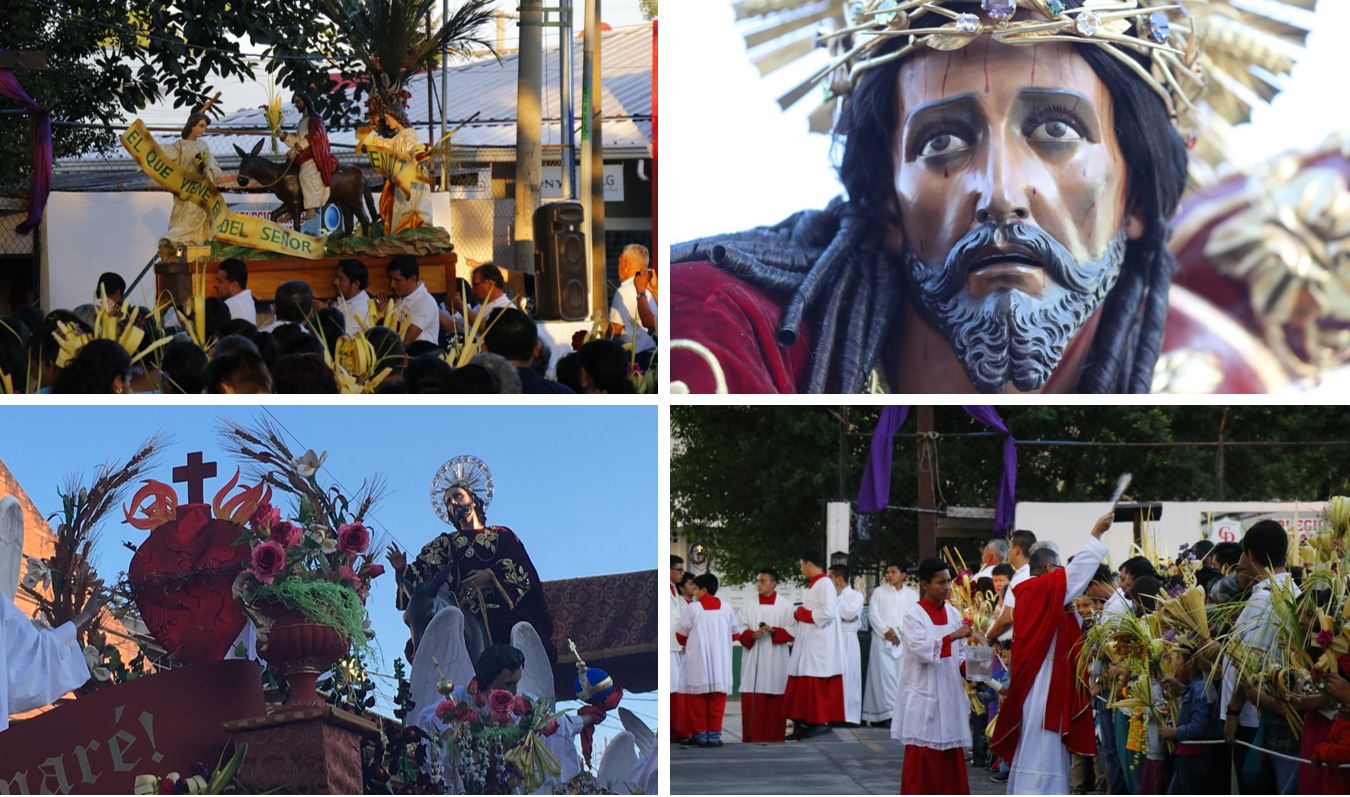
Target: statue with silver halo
pixel 482 571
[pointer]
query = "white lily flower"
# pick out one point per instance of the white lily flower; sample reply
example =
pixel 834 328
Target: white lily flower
pixel 328 545
pixel 38 574
pixel 310 463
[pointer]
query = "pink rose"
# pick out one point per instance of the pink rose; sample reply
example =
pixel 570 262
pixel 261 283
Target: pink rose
pixel 345 573
pixel 287 534
pixel 445 709
pixel 500 701
pixel 353 538
pixel 549 728
pixel 264 517
pixel 521 705
pixel 269 559
pixel 502 717
pixel 372 571
pixel 1324 639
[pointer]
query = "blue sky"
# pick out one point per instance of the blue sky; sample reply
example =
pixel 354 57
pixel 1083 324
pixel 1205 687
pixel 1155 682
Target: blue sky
pixel 578 485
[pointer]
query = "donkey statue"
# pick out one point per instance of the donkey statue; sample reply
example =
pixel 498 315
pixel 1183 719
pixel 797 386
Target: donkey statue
pixel 347 189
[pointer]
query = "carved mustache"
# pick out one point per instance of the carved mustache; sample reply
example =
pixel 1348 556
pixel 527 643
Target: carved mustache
pixel 1016 241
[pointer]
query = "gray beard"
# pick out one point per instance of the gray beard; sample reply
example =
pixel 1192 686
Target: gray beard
pixel 1009 336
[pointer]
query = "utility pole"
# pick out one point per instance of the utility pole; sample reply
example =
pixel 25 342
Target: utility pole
pixel 593 156
pixel 843 453
pixel 927 499
pixel 1218 457
pixel 529 155
pixel 445 98
pixel 568 167
pixel 431 92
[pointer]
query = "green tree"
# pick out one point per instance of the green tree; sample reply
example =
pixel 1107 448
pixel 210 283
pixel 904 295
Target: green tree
pixel 648 8
pixel 752 482
pixel 109 57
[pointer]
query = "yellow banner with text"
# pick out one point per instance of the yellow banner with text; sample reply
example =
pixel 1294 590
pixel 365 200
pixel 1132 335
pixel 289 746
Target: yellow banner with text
pixel 233 228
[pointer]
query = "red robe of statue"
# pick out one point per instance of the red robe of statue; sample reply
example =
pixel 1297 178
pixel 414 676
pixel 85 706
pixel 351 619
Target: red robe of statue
pixel 318 150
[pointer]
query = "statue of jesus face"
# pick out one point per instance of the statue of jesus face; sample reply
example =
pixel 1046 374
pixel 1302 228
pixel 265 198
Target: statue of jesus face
pixel 1012 195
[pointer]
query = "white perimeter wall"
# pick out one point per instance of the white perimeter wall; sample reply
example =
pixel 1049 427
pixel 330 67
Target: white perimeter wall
pixel 1068 525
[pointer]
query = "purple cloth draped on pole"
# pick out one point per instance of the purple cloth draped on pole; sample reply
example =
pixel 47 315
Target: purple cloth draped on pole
pixel 875 491
pixel 1007 484
pixel 41 183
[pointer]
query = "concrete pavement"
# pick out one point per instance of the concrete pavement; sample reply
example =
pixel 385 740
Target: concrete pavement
pixel 845 761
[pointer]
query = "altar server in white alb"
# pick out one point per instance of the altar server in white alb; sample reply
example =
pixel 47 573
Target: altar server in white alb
pixel 932 713
pixel 890 602
pixel 850 621
pixel 706 630
pixel 815 687
pixel 765 635
pixel 677 604
pixel 39 665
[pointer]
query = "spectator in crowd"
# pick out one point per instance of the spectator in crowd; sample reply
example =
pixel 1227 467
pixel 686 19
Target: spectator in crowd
pixel 232 287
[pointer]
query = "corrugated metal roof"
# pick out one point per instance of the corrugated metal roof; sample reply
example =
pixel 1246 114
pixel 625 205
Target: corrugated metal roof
pixel 488 87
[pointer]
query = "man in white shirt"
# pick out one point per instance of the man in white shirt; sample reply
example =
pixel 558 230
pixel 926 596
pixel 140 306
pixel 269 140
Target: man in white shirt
pixel 414 300
pixel 489 290
pixel 294 304
pixel 890 601
pixel 995 553
pixel 1264 548
pixel 39 665
pixel 815 687
pixel 1019 553
pixel 351 281
pixel 765 636
pixel 850 621
pixel 633 309
pixel 232 286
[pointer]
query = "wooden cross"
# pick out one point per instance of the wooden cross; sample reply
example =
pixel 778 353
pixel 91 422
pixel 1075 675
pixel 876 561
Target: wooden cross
pixel 195 472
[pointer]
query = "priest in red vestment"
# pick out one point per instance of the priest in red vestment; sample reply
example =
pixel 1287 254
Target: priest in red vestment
pixel 1047 713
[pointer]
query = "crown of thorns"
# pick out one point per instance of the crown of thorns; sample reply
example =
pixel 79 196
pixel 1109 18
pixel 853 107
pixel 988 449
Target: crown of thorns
pixel 1194 54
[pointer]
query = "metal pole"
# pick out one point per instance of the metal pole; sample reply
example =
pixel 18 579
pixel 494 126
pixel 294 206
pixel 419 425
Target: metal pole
pixel 569 157
pixel 445 98
pixel 431 86
pixel 592 161
pixel 927 499
pixel 529 155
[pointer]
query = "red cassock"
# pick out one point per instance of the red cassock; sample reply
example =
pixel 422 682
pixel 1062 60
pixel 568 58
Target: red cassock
pixel 737 322
pixel 763 715
pixel 1042 618
pixel 928 771
pixel 815 701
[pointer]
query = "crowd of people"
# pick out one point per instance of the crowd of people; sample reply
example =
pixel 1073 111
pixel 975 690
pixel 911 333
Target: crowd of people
pixel 478 338
pixel 1222 668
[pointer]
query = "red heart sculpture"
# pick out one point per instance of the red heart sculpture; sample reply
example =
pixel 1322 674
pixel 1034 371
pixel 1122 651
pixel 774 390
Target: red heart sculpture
pixel 182 576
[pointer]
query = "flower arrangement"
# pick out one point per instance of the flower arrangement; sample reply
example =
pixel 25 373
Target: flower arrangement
pixel 201 780
pixel 494 741
pixel 319 563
